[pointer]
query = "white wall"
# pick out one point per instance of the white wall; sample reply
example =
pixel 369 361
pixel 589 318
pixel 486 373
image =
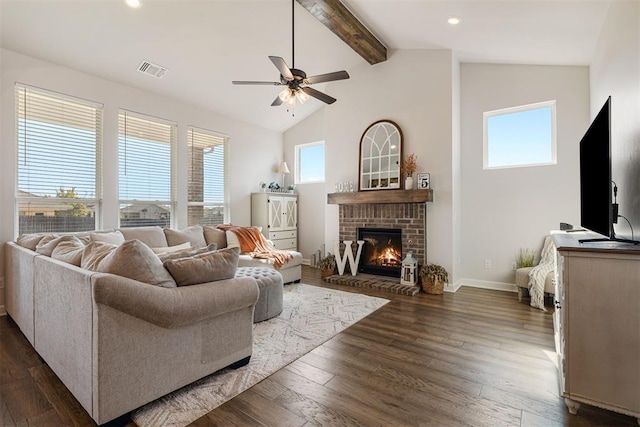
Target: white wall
pixel 414 89
pixel 312 197
pixel 254 152
pixel 615 71
pixel 507 209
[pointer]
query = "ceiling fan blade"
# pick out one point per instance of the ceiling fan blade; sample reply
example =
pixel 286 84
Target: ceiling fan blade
pixel 242 82
pixel 319 95
pixel 282 67
pixel 276 102
pixel 329 77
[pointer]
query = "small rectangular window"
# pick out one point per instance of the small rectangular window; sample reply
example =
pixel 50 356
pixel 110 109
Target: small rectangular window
pixel 146 147
pixel 309 163
pixel 520 136
pixel 208 178
pixel 59 141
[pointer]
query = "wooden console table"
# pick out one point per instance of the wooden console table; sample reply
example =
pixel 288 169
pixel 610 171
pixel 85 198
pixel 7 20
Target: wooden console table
pixel 597 323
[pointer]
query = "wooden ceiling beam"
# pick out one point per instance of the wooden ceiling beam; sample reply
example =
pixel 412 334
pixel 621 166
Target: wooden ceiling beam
pixel 335 16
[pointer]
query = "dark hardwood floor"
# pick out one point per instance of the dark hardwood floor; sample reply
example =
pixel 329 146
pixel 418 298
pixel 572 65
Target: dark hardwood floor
pixel 473 358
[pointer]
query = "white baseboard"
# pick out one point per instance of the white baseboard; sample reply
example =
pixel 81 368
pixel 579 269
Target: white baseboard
pixel 486 284
pixel 306 261
pixel 452 287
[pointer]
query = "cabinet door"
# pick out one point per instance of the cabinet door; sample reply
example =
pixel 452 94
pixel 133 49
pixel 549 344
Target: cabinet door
pixel 291 213
pixel 276 213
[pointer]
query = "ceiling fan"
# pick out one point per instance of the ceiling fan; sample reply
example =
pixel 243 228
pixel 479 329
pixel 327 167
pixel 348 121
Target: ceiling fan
pixel 296 80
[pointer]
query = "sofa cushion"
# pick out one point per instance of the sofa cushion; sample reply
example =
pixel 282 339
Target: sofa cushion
pixel 113 237
pixel 249 261
pixel 176 248
pixel 136 260
pixel 203 268
pixel 69 251
pixel 29 241
pixel 49 243
pixel 150 236
pixel 186 253
pixel 215 235
pixel 94 253
pixel 193 235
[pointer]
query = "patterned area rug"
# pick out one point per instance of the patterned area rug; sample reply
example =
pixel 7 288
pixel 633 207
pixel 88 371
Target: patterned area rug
pixel 311 316
pixel 377 283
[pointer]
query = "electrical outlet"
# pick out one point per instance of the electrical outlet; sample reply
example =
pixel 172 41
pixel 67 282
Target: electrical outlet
pixel 487 263
pixel 513 266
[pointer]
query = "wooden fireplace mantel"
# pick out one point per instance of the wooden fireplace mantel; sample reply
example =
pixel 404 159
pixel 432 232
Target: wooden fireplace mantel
pixel 380 196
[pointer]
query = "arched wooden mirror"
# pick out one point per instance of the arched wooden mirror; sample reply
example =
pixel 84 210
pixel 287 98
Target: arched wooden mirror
pixel 380 156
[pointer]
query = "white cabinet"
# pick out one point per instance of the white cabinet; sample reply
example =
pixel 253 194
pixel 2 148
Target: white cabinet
pixel 597 324
pixel 277 214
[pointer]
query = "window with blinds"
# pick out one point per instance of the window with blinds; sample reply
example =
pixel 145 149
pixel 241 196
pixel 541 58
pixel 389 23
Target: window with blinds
pixel 208 202
pixel 146 147
pixel 59 144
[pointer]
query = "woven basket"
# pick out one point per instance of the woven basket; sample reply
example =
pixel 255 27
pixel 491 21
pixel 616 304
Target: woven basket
pixel 432 288
pixel 326 273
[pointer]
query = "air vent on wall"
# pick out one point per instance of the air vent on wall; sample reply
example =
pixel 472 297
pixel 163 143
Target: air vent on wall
pixel 152 69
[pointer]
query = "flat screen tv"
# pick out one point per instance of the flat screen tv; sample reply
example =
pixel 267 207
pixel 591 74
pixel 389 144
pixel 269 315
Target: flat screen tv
pixel 595 175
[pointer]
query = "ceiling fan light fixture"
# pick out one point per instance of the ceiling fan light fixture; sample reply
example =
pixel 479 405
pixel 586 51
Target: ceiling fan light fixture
pixel 301 96
pixel 290 103
pixel 285 95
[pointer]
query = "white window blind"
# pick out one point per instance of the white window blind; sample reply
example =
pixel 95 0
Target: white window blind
pixel 146 179
pixel 208 179
pixel 59 144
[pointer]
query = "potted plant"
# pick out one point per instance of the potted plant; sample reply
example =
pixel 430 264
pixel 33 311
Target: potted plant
pixel 410 167
pixel 263 186
pixel 433 277
pixel 525 258
pixel 327 265
pixel 291 188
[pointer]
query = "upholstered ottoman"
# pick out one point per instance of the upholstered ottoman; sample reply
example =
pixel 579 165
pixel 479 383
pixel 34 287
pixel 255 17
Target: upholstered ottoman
pixel 271 287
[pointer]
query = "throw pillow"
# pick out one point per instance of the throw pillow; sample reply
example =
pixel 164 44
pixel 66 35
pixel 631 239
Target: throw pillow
pixel 94 253
pixel 49 243
pixel 151 236
pixel 114 237
pixel 69 251
pixel 29 241
pixel 215 235
pixel 203 268
pixel 185 254
pixel 193 235
pixel 176 248
pixel 136 260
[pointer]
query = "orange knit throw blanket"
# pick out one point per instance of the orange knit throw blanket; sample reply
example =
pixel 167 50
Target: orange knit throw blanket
pixel 254 243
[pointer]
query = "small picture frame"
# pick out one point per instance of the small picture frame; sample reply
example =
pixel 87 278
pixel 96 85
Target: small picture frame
pixel 423 181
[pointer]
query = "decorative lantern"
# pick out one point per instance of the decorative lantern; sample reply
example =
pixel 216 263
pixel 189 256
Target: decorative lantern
pixel 409 267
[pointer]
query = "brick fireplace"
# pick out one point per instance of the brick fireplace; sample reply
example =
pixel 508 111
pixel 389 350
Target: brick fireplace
pixel 386 209
pixel 411 218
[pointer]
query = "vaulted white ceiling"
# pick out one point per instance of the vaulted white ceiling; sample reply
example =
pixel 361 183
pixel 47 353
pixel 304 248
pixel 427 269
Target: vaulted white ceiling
pixel 206 44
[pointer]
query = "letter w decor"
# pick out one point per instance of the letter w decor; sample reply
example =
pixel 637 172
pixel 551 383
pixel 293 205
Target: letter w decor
pixel 341 261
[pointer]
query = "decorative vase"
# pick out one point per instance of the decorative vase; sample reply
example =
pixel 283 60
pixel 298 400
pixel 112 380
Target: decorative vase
pixel 408 183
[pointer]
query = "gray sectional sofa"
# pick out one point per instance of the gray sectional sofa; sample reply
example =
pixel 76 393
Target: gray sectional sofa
pixel 118 343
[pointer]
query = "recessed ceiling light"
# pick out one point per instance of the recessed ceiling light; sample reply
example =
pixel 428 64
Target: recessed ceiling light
pixel 453 20
pixel 134 4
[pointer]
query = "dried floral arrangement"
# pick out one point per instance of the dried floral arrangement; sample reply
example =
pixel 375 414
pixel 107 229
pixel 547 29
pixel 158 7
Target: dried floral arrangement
pixel 410 164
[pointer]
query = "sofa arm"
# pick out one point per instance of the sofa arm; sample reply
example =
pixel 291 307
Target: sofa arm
pixel 173 307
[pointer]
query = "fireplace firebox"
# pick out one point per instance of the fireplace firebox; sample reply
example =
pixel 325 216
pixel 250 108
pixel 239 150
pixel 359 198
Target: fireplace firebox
pixel 381 252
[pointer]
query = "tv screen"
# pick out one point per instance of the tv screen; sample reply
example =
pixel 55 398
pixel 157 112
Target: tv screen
pixel 595 174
